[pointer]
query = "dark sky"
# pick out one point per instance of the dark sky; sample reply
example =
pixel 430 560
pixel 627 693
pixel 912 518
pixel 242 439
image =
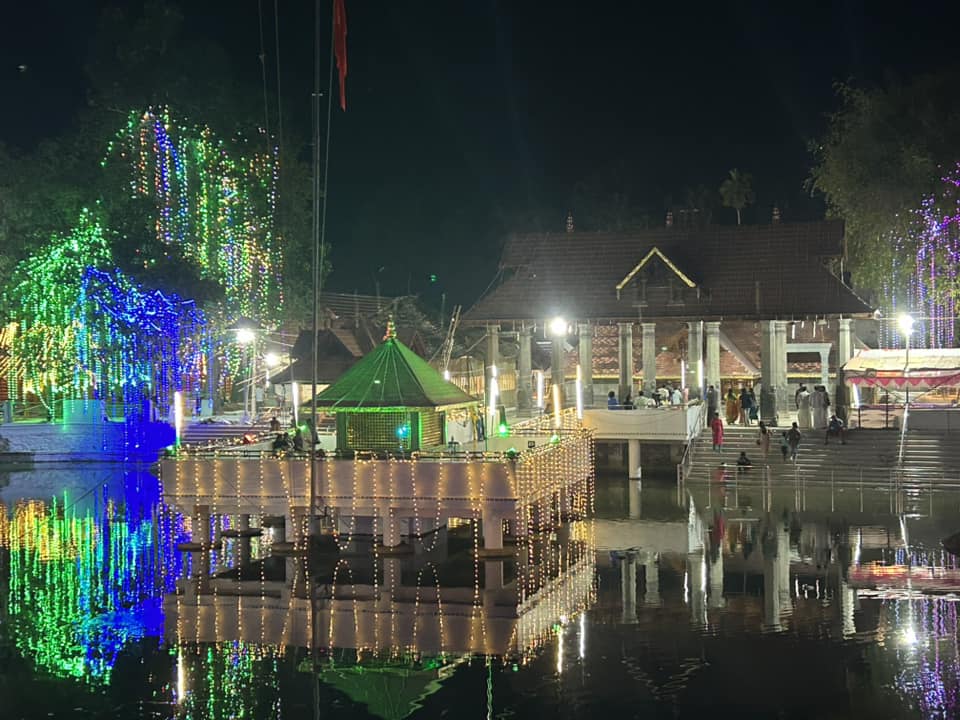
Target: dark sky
pixel 468 119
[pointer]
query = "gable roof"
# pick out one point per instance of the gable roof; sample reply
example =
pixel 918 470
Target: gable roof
pixel 392 376
pixel 576 274
pixel 654 252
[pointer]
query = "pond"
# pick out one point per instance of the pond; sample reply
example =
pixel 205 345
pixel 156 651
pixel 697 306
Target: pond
pixel 739 598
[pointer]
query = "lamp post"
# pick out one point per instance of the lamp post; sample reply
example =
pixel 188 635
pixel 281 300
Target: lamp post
pixel 905 321
pixel 558 330
pixel 247 336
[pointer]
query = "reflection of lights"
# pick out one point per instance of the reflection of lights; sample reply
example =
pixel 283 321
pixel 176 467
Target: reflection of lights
pixel 909 637
pixel 703 576
pixel 583 635
pixel 686 586
pixel 560 650
pixel 181 678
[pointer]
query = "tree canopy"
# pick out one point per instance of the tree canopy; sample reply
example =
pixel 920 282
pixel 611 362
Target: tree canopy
pixel 884 151
pixel 737 191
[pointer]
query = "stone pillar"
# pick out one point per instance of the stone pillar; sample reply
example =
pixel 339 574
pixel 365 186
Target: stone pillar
pixel 845 341
pixel 213 392
pixel 634 500
pixel 390 527
pixel 768 371
pixel 712 364
pixel 492 530
pixel 633 459
pixel 586 362
pixel 626 359
pixel 695 369
pixel 492 356
pixel 628 587
pixel 825 368
pixel 558 364
pixel 649 358
pixel 780 381
pixel 651 570
pixel 525 371
pixel 243 539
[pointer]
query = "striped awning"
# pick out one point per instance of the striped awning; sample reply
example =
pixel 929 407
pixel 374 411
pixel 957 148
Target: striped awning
pixel 899 368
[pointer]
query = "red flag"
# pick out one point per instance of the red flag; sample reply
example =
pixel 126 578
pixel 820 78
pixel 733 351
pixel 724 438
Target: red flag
pixel 340 47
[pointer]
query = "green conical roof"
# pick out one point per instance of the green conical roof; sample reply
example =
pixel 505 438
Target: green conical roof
pixel 389 693
pixel 391 376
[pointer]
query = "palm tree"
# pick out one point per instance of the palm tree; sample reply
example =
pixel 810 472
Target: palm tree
pixel 737 191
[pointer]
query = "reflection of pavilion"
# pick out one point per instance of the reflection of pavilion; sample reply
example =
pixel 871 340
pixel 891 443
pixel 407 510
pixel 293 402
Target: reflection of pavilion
pixel 395 608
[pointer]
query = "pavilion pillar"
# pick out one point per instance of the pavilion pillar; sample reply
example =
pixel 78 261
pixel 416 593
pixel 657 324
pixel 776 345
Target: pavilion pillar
pixel 825 367
pixel 845 342
pixel 695 360
pixel 525 371
pixel 626 359
pixel 492 360
pixel 649 358
pixel 712 365
pixel 558 364
pixel 780 381
pixel 586 362
pixel 768 371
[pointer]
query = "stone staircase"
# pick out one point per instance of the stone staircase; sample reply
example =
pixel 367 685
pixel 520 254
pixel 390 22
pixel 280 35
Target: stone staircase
pixel 869 455
pixel 206 434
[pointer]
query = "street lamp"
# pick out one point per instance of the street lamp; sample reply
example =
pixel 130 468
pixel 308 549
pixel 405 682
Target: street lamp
pixel 248 336
pixel 558 329
pixel 905 322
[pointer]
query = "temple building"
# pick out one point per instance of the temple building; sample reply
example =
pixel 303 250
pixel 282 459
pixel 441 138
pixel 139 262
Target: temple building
pixel 696 306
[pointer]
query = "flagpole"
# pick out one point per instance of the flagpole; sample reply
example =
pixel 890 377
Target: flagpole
pixel 320 195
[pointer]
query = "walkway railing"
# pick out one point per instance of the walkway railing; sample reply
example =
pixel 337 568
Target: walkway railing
pixel 686 460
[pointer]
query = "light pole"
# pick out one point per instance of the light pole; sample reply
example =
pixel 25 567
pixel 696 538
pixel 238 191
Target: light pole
pixel 905 321
pixel 558 330
pixel 247 336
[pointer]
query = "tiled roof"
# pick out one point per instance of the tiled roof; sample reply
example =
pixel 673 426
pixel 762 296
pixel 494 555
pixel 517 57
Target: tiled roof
pixel 576 274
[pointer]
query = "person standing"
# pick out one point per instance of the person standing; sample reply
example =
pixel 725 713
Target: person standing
pixel 716 428
pixel 793 440
pixel 732 407
pixel 763 440
pixel 676 397
pixel 819 404
pixel 612 403
pixel 804 417
pixel 711 404
pixel 744 407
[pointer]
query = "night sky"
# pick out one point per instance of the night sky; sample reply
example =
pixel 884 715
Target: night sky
pixel 466 120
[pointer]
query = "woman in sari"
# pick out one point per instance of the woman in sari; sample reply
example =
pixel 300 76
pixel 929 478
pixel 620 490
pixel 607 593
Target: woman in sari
pixel 732 407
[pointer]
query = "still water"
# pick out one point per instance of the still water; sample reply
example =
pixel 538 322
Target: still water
pixel 730 600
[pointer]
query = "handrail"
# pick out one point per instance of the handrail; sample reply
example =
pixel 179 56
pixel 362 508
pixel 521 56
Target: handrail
pixel 686 460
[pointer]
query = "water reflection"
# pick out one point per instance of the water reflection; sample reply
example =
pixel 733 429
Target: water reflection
pixel 739 595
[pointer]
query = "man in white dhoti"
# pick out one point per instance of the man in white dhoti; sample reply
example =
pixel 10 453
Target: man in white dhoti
pixel 804 418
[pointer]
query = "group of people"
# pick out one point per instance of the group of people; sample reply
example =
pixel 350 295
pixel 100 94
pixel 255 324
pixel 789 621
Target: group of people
pixel 739 407
pixel 812 408
pixel 285 442
pixel 665 395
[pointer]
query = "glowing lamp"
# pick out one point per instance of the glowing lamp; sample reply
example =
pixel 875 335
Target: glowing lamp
pixel 446 375
pixel 503 430
pixel 271 359
pixel 905 322
pixel 245 336
pixel 558 327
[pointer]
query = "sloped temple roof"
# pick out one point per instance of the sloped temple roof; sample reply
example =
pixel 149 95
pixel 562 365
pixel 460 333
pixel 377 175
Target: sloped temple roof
pixel 761 271
pixel 392 376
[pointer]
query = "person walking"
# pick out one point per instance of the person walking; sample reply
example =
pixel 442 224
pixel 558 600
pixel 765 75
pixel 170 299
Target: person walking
pixel 804 416
pixel 793 440
pixel 711 404
pixel 716 428
pixel 763 440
